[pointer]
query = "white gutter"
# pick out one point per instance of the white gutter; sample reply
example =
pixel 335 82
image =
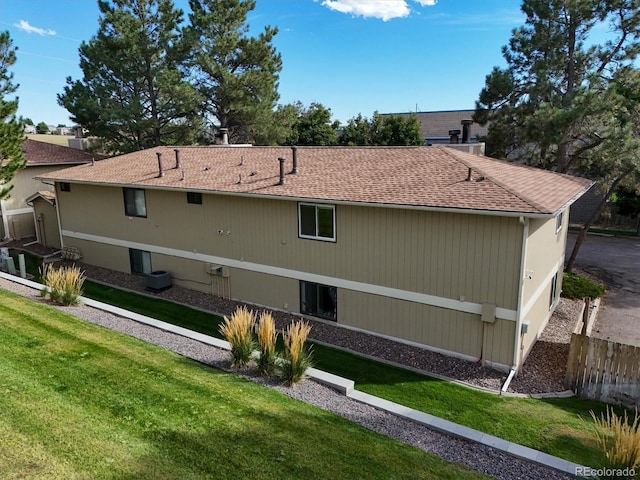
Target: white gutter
pixel 505 387
pixel 57 203
pixel 519 310
pixel 5 219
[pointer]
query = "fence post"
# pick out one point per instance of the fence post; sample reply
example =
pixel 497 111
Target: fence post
pixel 585 314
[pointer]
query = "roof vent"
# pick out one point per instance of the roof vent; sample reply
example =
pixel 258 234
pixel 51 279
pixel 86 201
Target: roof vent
pixel 466 130
pixel 223 136
pixel 469 177
pixel 177 158
pixel 281 160
pixel 294 151
pixel 453 136
pixel 160 172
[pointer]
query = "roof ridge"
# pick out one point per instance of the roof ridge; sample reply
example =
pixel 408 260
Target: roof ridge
pixel 499 183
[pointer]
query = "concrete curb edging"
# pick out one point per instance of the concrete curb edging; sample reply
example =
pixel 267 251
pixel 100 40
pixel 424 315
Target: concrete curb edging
pixel 347 388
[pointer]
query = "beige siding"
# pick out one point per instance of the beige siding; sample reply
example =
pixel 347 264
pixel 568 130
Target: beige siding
pixel 468 258
pixel 447 255
pixel 545 249
pixel 21 226
pixel 25 185
pixel 47 223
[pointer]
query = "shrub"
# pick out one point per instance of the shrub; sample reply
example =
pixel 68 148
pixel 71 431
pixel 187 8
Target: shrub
pixel 618 439
pixel 62 285
pixel 297 359
pixel 238 331
pixel 267 337
pixel 575 286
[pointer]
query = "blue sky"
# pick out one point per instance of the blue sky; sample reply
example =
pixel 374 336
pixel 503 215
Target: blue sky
pixel 353 56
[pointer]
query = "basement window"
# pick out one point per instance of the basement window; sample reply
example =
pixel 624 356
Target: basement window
pixel 319 300
pixel 134 202
pixel 194 197
pixel 65 187
pixel 554 291
pixel 317 222
pixel 140 261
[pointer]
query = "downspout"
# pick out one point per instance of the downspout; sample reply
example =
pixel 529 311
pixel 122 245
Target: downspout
pixel 516 343
pixel 58 216
pixel 519 319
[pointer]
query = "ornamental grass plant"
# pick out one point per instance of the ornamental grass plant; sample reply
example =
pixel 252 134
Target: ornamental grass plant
pixel 267 338
pixel 619 439
pixel 238 331
pixel 297 358
pixel 62 285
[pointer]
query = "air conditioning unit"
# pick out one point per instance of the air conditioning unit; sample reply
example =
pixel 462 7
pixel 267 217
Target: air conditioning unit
pixel 158 281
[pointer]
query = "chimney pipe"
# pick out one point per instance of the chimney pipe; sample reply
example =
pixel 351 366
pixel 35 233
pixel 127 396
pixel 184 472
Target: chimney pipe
pixel 453 136
pixel 294 170
pixel 160 172
pixel 224 136
pixel 469 178
pixel 281 160
pixel 466 130
pixel 177 158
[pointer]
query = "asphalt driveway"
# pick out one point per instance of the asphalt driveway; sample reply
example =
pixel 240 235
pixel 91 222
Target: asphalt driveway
pixel 617 262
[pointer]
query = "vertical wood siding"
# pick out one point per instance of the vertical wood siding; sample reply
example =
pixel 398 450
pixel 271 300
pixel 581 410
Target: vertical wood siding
pixel 472 258
pixel 48 225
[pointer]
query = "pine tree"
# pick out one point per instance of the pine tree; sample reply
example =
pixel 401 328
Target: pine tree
pixel 133 93
pixel 11 128
pixel 237 74
pixel 538 107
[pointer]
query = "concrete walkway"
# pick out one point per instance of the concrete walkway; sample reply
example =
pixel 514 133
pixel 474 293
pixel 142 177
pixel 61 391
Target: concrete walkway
pixel 347 387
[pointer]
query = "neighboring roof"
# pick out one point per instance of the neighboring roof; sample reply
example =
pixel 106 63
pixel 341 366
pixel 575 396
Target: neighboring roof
pixel 42 153
pixel 438 124
pixel 431 177
pixel 46 195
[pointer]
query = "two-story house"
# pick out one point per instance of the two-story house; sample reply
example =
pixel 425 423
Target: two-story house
pixel 454 252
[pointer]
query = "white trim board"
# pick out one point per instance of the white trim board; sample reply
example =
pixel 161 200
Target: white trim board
pixel 422 298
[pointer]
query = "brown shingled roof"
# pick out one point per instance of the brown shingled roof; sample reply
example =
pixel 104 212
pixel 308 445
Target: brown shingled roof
pixel 431 177
pixel 42 153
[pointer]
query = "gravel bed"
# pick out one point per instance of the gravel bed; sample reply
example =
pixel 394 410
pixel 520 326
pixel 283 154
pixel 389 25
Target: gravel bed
pixel 474 456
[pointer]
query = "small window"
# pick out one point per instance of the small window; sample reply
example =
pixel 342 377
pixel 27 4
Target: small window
pixel 134 202
pixel 319 300
pixel 65 187
pixel 317 222
pixel 194 197
pixel 554 291
pixel 140 261
pixel 559 220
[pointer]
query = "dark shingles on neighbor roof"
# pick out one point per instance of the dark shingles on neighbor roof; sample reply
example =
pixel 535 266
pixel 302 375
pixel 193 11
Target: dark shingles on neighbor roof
pixel 43 153
pixel 433 177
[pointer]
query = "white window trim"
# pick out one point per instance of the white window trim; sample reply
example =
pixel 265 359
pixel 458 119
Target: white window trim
pixel 559 221
pixel 315 237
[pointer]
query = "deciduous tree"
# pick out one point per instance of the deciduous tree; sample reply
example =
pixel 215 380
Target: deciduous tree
pixel 313 126
pixel 134 93
pixel 394 130
pixel 11 128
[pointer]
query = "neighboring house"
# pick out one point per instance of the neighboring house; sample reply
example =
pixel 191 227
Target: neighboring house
pixel 17 215
pixel 30 129
pixel 457 253
pixel 435 127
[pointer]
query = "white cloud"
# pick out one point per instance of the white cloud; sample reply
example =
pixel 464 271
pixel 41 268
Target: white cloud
pixel 383 9
pixel 24 25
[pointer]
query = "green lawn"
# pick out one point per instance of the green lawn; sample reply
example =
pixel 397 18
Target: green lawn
pixel 561 427
pixel 80 401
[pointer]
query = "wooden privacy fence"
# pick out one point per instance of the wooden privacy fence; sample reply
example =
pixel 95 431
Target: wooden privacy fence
pixel 603 370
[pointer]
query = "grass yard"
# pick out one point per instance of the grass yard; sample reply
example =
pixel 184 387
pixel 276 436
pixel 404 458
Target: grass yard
pixel 561 427
pixel 55 139
pixel 79 401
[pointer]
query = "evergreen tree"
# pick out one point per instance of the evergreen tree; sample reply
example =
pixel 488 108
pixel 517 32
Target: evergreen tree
pixel 538 107
pixel 133 93
pixel 237 74
pixel 11 129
